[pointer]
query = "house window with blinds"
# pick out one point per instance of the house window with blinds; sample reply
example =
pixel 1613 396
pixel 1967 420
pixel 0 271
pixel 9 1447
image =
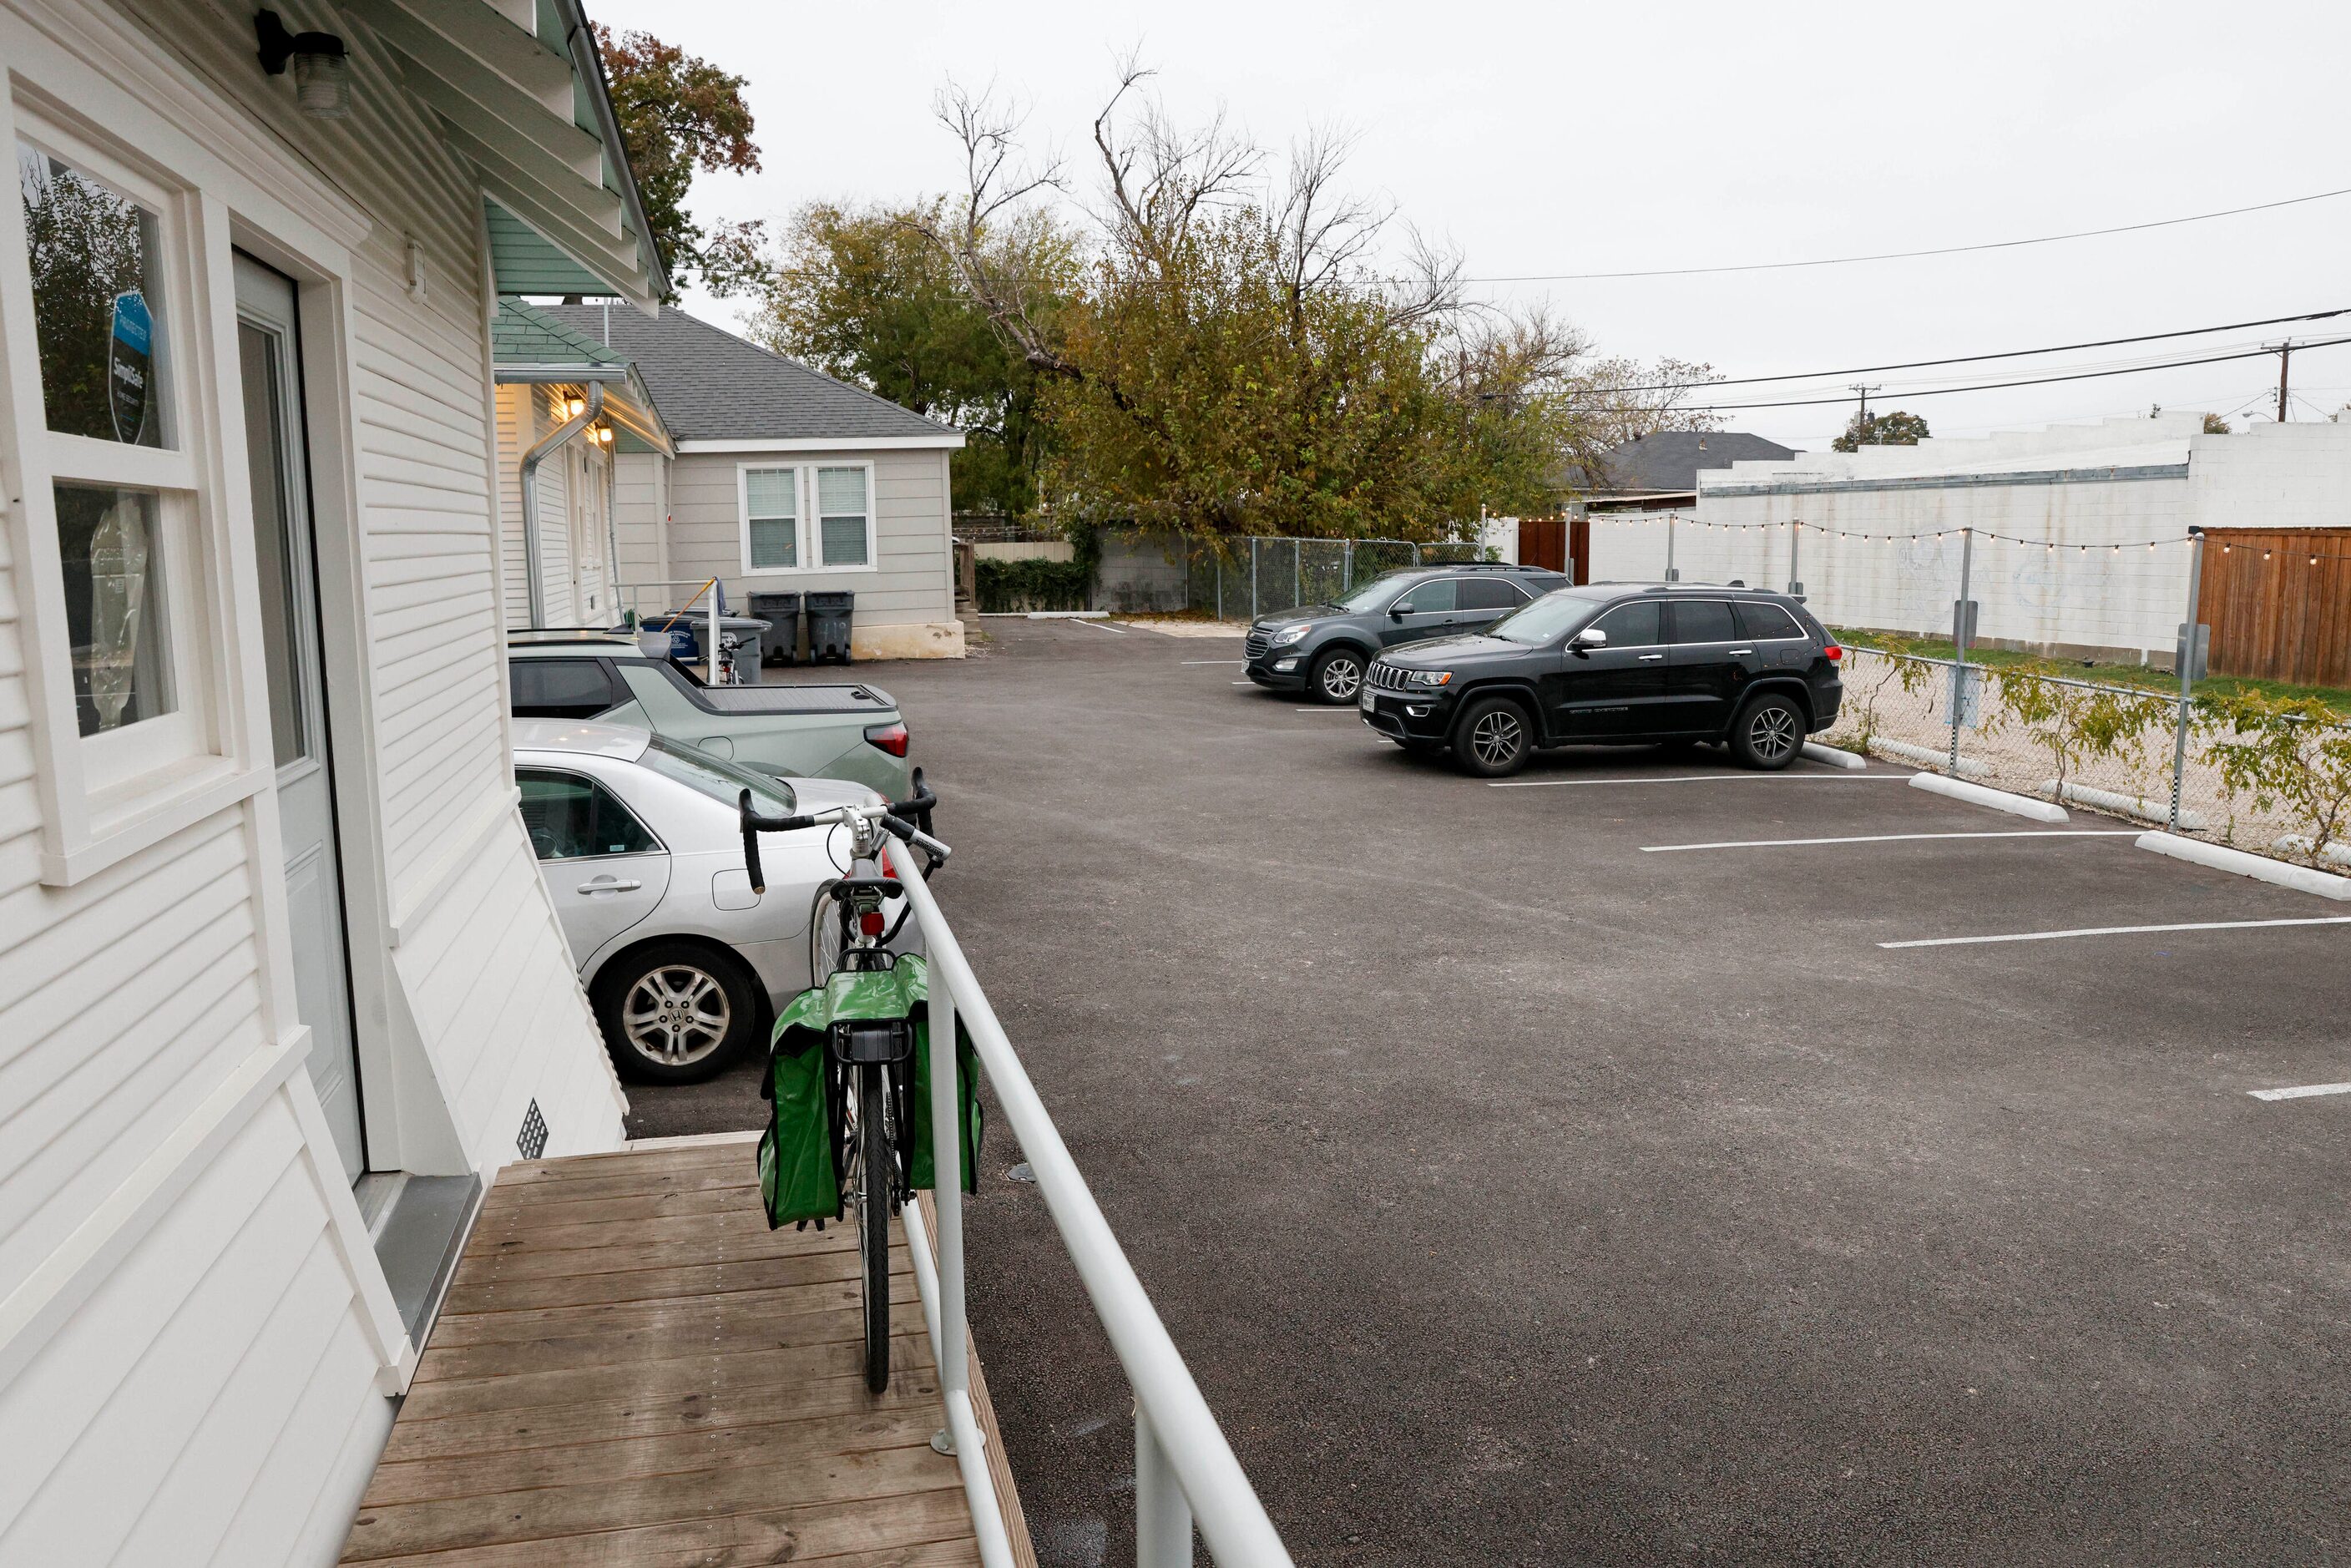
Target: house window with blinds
pixel 772 519
pixel 845 516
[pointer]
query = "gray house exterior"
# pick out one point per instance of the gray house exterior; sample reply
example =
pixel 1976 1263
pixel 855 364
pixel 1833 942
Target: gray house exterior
pixel 783 480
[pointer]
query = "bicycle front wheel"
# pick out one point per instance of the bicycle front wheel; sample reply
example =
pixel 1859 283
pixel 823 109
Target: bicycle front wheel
pixel 873 1172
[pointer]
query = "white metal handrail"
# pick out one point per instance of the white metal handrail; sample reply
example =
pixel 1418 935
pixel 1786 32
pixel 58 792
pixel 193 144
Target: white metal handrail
pixel 1185 1472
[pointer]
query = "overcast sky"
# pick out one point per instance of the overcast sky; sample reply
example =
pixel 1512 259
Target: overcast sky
pixel 1577 138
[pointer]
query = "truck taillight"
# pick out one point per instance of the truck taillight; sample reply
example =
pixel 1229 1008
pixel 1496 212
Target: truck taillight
pixel 890 737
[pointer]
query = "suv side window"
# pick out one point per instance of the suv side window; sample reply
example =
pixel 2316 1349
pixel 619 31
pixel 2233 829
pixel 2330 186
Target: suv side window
pixel 1487 593
pixel 1428 599
pixel 1702 620
pixel 1631 625
pixel 572 818
pixel 561 688
pixel 1766 622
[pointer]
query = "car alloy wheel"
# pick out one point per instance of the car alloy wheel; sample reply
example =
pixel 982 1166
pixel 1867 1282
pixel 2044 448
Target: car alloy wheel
pixel 1497 736
pixel 677 1015
pixel 1771 732
pixel 1339 678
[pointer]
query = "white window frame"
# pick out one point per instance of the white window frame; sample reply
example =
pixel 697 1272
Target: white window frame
pixel 808 525
pixel 108 795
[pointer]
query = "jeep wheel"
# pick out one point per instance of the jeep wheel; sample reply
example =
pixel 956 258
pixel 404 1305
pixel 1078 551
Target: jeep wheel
pixel 1336 677
pixel 1768 732
pixel 1493 738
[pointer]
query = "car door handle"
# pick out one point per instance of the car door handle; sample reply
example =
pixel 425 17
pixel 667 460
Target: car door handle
pixel 1647 657
pixel 1735 652
pixel 609 885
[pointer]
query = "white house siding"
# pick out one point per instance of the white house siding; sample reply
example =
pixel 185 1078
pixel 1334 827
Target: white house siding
pixel 2083 488
pixel 571 466
pixel 640 515
pixel 913 582
pixel 195 1342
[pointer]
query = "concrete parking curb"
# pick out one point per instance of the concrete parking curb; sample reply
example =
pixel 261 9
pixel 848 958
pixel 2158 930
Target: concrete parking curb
pixel 2260 868
pixel 1832 756
pixel 1998 800
pixel 1921 757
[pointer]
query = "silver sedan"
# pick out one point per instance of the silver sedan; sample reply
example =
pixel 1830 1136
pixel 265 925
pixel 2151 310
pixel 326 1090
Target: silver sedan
pixel 640 841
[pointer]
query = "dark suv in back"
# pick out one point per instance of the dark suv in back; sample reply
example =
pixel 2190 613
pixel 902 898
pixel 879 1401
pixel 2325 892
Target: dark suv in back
pixel 1614 664
pixel 1323 650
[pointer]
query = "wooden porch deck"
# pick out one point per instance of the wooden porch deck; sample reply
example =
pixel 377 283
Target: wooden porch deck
pixel 630 1368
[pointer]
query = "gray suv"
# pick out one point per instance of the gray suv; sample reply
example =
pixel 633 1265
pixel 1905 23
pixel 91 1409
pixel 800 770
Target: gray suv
pixel 1323 649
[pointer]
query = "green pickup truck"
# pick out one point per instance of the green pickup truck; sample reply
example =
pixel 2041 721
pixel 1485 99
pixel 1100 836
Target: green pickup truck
pixel 837 730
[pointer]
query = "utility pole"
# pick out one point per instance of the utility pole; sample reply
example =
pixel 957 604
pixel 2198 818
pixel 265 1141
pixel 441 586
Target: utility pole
pixel 2285 357
pixel 1862 425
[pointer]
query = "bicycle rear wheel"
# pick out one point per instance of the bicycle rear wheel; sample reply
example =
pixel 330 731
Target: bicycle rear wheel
pixel 873 1174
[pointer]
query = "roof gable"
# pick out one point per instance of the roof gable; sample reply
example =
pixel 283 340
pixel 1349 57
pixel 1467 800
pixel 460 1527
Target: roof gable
pixel 711 386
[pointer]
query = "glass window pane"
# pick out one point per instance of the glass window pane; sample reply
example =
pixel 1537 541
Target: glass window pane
pixel 775 542
pixel 98 309
pixel 1702 620
pixel 1631 625
pixel 273 543
pixel 560 811
pixel 558 688
pixel 840 491
pixel 770 492
pixel 1766 621
pixel 1490 593
pixel 1429 598
pixel 111 541
pixel 845 541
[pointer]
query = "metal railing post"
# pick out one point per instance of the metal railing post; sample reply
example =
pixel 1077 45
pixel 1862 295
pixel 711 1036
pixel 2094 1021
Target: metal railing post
pixel 2186 673
pixel 1960 630
pixel 1346 567
pixel 1298 572
pixel 946 1160
pixel 1163 1520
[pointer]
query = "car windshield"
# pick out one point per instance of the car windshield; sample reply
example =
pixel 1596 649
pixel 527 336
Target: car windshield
pixel 1547 619
pixel 721 780
pixel 1375 593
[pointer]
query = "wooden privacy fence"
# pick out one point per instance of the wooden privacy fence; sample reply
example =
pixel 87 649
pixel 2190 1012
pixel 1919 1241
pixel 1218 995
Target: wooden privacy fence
pixel 2279 603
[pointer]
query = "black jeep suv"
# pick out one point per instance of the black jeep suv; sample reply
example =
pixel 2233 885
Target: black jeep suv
pixel 1323 650
pixel 1615 663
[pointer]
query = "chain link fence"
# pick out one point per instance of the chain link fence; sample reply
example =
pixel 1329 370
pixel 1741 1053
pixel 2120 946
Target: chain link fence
pixel 2272 783
pixel 1261 574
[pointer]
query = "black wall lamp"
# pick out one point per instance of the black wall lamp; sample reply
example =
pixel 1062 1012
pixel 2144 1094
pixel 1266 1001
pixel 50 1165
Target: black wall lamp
pixel 322 66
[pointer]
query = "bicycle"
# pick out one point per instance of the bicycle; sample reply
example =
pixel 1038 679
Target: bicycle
pixel 870 1061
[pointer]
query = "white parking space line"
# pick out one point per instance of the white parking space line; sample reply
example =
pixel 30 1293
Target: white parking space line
pixel 1215 661
pixel 1896 838
pixel 2304 1092
pixel 1102 626
pixel 1823 777
pixel 2120 931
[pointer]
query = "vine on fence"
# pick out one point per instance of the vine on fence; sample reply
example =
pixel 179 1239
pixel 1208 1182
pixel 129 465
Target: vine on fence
pixel 1016 585
pixel 2074 721
pixel 2284 751
pixel 1863 697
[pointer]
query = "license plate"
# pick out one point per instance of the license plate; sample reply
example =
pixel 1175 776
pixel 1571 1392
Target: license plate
pixel 1364 702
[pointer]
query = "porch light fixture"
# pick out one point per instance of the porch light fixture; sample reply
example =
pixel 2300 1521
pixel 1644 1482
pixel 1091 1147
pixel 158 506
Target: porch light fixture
pixel 573 407
pixel 322 66
pixel 604 435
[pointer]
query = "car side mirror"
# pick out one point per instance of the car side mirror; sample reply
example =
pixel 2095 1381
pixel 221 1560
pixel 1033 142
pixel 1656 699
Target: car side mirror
pixel 1590 637
pixel 1399 611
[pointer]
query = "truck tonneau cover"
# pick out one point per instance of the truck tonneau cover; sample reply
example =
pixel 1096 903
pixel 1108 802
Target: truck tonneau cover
pixel 793 698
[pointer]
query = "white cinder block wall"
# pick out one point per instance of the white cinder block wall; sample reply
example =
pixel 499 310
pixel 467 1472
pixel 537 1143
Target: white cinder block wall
pixel 2096 493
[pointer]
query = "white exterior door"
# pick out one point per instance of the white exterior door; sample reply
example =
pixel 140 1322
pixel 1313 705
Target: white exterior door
pixel 269 361
pixel 590 597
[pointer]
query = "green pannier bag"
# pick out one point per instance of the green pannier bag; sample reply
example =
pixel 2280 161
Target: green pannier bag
pixel 799 1180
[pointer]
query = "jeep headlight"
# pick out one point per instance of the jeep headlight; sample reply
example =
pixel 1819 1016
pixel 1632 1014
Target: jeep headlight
pixel 1289 635
pixel 1427 677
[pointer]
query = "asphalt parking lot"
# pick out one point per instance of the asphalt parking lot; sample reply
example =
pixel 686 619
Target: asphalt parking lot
pixel 1524 1185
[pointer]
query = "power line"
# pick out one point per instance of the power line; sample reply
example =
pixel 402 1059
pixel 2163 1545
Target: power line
pixel 2003 354
pixel 2029 381
pixel 1911 255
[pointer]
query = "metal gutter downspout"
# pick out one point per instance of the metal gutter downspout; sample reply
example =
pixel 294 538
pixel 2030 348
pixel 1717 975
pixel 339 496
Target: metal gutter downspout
pixel 530 462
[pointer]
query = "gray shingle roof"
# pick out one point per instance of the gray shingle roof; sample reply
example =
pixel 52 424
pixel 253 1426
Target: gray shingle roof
pixel 526 335
pixel 1670 459
pixel 711 386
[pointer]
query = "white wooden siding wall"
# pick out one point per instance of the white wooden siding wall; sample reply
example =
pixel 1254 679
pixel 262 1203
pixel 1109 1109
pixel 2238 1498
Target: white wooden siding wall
pixel 210 1392
pixel 914 582
pixel 639 501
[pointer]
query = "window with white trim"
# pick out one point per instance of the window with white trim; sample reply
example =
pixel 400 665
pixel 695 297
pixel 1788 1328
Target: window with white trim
pixel 806 517
pixel 103 256
pixel 772 519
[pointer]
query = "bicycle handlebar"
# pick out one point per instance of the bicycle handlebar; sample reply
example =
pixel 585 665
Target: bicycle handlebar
pixel 888 817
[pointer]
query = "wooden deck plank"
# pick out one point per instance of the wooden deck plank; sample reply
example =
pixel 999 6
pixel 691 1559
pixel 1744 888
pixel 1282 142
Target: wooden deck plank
pixel 631 1369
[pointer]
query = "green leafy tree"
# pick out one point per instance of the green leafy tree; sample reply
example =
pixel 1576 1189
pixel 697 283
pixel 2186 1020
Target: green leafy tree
pixel 679 115
pixel 862 293
pixel 1894 429
pixel 1230 361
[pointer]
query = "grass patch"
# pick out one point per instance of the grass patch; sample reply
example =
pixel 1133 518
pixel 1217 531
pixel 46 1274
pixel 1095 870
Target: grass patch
pixel 2145 678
